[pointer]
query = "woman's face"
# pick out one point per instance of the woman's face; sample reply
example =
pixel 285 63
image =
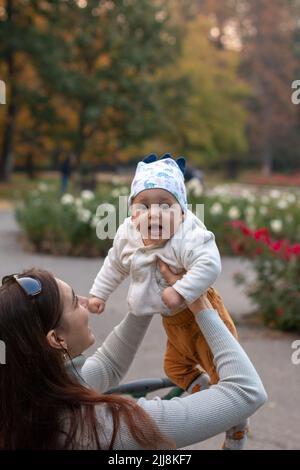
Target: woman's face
pixel 73 327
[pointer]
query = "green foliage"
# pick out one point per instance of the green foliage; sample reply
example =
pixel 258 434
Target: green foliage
pixel 276 210
pixel 64 225
pixel 211 129
pixel 277 267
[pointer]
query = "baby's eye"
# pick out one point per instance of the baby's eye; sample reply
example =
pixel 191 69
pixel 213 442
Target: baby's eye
pixel 141 207
pixel 138 209
pixel 165 206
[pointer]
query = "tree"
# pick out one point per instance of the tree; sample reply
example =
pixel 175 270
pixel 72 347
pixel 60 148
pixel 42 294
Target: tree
pixel 93 67
pixel 269 66
pixel 23 40
pixel 212 127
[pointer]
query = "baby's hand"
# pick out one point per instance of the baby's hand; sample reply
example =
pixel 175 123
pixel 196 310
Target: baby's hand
pixel 96 305
pixel 171 298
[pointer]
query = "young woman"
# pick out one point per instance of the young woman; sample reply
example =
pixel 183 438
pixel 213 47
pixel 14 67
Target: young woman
pixel 52 398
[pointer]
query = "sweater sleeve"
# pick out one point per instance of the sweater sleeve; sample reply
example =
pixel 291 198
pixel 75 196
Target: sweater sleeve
pixel 199 416
pixel 108 365
pixel 201 259
pixel 112 272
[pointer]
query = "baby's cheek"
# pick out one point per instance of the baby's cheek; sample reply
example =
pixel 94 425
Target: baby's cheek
pixel 140 222
pixel 166 222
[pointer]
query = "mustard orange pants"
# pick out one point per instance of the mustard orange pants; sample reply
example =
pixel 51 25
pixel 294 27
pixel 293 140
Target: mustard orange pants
pixel 188 354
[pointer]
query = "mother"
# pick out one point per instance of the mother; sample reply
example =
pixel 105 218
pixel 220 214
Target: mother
pixel 44 406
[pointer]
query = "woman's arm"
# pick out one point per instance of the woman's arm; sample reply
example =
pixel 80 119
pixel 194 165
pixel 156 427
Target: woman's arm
pixel 108 365
pixel 201 415
pixel 237 395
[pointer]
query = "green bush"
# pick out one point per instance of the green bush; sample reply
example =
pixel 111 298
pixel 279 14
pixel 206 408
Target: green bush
pixel 65 225
pixel 277 267
pixel 277 210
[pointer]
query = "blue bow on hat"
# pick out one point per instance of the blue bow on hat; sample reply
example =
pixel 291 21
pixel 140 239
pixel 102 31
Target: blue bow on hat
pixel 153 158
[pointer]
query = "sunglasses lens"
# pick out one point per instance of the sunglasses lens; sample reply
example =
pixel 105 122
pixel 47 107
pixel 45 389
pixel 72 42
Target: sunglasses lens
pixel 31 286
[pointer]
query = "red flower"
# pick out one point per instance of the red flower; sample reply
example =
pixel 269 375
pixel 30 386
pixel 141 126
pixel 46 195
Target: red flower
pixel 296 249
pixel 276 246
pixel 263 234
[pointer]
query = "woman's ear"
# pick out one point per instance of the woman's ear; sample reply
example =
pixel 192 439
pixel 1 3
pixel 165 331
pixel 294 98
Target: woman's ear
pixel 55 341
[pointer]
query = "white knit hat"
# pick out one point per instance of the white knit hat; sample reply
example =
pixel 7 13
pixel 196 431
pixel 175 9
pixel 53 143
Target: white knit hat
pixel 160 174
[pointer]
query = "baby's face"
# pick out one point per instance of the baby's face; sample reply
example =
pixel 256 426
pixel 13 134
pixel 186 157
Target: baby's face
pixel 156 214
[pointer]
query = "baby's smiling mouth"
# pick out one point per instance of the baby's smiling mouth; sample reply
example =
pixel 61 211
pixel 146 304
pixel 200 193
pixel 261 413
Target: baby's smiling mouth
pixel 154 227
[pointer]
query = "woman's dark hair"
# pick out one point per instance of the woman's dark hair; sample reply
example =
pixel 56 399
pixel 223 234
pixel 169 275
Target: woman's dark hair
pixel 41 405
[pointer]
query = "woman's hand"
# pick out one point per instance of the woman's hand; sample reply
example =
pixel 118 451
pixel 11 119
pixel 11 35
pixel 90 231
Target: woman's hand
pixel 168 275
pixel 202 303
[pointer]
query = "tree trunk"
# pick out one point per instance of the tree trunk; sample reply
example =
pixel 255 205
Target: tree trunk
pixel 30 170
pixel 6 157
pixel 267 167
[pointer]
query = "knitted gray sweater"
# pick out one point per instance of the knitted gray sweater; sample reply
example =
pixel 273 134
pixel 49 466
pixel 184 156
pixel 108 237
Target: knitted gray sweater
pixel 186 420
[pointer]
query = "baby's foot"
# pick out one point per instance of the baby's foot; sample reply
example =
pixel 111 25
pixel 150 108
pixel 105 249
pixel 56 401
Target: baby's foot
pixel 236 437
pixel 202 382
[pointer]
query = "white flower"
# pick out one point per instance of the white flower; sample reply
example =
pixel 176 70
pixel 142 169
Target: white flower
pixel 251 198
pixel 234 213
pixel 265 199
pixel 263 210
pixel 115 192
pixel 221 190
pixel 216 209
pixel 87 195
pixel 282 204
pixel 275 194
pixel 84 215
pixel 43 187
pixel 124 190
pixel 291 198
pixel 67 199
pixel 250 211
pixel 276 225
pixel 289 218
pixel 195 186
pixel 78 202
pixel 95 221
pixel 245 193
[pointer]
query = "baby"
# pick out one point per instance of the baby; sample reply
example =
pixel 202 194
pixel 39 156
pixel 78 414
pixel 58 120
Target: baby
pixel 162 227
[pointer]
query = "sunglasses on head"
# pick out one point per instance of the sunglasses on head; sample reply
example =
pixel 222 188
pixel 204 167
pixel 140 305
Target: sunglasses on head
pixel 29 285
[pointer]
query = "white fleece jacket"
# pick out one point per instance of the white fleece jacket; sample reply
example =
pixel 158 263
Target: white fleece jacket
pixel 191 248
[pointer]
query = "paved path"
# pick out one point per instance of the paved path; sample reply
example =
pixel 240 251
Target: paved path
pixel 275 426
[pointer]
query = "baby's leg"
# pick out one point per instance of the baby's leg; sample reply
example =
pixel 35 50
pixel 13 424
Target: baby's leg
pixel 181 362
pixel 182 370
pixel 217 303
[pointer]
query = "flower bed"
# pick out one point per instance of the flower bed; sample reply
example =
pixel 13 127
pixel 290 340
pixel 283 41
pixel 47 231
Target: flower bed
pixel 275 209
pixel 277 264
pixel 65 225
